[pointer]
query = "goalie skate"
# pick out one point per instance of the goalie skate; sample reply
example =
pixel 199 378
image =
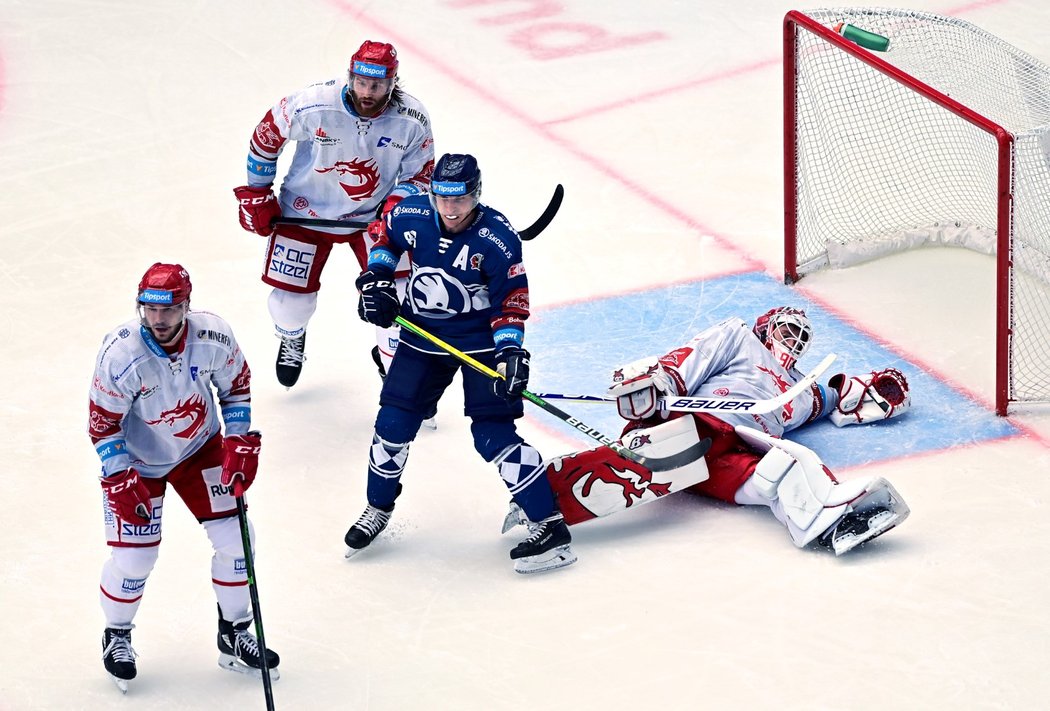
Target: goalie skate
pixel 880 509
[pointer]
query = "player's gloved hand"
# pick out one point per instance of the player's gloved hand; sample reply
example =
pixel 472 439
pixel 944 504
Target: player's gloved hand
pixel 258 209
pixel 240 460
pixel 128 496
pixel 389 204
pixel 638 387
pixel 878 395
pixel 378 303
pixel 512 362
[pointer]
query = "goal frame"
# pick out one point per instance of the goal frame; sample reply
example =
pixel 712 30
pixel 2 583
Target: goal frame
pixel 795 22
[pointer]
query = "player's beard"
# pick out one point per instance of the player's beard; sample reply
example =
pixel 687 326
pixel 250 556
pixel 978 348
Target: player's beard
pixel 171 333
pixel 372 108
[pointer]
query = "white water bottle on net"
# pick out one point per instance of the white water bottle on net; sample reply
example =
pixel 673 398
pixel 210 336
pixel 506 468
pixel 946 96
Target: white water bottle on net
pixel 942 136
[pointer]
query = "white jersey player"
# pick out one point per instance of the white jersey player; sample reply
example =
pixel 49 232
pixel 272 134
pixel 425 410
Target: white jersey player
pixel 155 422
pixel 361 145
pixel 748 461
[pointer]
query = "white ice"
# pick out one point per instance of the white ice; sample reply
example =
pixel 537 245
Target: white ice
pixel 123 127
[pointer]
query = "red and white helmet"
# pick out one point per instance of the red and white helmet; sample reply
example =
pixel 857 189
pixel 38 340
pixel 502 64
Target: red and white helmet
pixel 165 284
pixel 375 60
pixel 786 332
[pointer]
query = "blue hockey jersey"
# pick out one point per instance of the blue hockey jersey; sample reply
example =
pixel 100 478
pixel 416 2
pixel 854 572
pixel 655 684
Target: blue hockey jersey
pixel 470 288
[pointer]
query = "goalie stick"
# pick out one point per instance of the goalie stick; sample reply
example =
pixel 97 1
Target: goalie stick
pixel 656 464
pixel 718 404
pixel 530 232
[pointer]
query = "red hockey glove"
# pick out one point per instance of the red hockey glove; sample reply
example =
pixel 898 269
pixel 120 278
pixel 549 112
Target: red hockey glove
pixel 512 363
pixel 240 460
pixel 259 208
pixel 389 204
pixel 128 496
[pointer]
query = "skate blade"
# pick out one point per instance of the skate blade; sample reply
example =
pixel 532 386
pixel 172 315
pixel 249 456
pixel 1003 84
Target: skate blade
pixel 351 552
pixel 122 684
pixel 231 663
pixel 514 517
pixel 551 560
pixel 877 526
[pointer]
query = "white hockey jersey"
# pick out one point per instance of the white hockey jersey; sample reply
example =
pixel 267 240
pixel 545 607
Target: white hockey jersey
pixel 150 411
pixel 728 360
pixel 345 165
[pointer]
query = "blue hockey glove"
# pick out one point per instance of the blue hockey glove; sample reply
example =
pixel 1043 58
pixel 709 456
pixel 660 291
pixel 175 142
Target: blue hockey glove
pixel 378 303
pixel 512 363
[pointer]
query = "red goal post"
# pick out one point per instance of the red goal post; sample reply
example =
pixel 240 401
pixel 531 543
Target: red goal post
pixel 941 139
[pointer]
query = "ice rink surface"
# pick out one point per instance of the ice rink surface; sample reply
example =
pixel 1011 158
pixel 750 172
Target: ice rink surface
pixel 123 127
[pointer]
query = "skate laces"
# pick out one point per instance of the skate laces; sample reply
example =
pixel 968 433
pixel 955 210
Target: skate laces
pixel 539 529
pixel 245 640
pixel 292 351
pixel 373 520
pixel 119 647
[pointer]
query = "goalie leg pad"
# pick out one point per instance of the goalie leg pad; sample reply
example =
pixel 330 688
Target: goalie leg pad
pixel 598 482
pixel 799 487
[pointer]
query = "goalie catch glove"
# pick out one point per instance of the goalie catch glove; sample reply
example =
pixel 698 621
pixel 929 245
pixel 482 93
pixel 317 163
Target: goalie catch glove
pixel 879 396
pixel 638 386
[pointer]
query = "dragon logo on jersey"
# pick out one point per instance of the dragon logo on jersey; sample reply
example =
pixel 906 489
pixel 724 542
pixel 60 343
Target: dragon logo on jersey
pixel 783 385
pixel 193 409
pixel 436 294
pixel 366 174
pixel 597 482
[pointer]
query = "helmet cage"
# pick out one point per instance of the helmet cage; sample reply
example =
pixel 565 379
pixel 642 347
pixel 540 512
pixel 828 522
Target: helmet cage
pixel 788 334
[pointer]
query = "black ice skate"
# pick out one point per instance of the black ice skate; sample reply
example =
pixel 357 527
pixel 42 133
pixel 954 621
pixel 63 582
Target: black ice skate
pixel 877 511
pixel 118 656
pixel 290 357
pixel 239 650
pixel 370 525
pixel 546 548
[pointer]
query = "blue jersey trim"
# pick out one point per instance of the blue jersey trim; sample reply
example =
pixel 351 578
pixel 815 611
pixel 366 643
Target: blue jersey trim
pixel 236 414
pixel 508 337
pixel 382 257
pixel 265 169
pixel 114 448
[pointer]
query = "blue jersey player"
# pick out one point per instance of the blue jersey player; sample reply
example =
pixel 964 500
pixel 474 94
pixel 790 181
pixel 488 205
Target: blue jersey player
pixel 467 286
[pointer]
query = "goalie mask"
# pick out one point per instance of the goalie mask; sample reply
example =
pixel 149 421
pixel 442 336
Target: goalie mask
pixel 786 332
pixel 163 301
pixel 372 77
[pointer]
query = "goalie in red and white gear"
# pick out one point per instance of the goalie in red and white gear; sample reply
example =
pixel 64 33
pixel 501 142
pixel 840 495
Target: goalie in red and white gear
pixel 749 462
pixel 165 387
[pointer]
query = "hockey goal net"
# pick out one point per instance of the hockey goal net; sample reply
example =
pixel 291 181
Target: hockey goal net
pixel 943 138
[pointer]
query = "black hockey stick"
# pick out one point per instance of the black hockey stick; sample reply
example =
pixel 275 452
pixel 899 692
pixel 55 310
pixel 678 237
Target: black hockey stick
pixel 253 590
pixel 318 222
pixel 528 233
pixel 540 224
pixel 656 464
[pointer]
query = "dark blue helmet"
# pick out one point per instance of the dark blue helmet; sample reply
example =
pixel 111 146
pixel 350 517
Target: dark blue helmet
pixel 456 174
